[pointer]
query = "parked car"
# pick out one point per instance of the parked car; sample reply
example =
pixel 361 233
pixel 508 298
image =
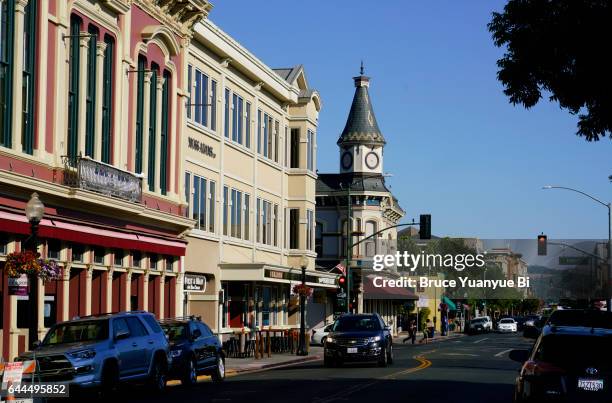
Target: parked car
pixel 566 364
pixel 531 320
pixel 362 337
pixel 319 335
pixel 507 325
pixel 480 325
pixel 103 351
pixel 194 350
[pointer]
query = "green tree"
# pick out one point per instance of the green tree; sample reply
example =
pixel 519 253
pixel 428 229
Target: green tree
pixel 558 47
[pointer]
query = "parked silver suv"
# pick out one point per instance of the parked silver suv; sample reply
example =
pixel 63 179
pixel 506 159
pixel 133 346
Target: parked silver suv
pixel 104 350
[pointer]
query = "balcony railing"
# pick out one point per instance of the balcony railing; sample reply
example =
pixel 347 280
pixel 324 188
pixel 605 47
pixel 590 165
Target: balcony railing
pixel 85 173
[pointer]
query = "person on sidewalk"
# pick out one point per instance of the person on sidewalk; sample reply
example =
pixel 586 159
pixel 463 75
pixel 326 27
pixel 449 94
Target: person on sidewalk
pixel 411 332
pixel 433 327
pixel 426 331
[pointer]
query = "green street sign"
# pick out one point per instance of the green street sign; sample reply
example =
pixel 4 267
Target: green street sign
pixel 573 260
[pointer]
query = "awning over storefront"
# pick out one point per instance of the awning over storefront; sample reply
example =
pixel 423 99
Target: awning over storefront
pixel 85 234
pixel 370 291
pixel 275 274
pixel 450 303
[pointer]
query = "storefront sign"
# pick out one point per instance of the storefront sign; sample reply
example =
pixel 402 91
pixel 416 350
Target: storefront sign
pixel 18 285
pixel 108 180
pixel 12 374
pixel 326 280
pixel 275 274
pixel 195 282
pixel 201 147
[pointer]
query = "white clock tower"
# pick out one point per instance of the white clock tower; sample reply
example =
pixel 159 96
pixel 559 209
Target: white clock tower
pixel 361 142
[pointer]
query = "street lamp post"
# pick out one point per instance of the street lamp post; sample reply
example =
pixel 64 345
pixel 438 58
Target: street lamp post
pixel 609 207
pixel 301 350
pixel 35 210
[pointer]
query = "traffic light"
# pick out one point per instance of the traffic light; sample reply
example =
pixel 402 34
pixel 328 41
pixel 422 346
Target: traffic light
pixel 425 226
pixel 342 282
pixel 542 243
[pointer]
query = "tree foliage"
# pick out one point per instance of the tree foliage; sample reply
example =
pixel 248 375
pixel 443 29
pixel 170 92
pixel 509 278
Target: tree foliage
pixel 561 47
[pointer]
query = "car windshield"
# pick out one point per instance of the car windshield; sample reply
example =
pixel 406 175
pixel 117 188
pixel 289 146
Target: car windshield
pixel 506 321
pixel 356 323
pixel 572 351
pixel 175 331
pixel 73 332
pixel 481 320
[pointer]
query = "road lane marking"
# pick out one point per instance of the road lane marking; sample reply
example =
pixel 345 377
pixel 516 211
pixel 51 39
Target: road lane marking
pixel 461 354
pixel 478 341
pixel 343 394
pixel 503 352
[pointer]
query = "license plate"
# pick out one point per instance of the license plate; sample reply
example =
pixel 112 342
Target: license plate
pixel 592 385
pixel 351 350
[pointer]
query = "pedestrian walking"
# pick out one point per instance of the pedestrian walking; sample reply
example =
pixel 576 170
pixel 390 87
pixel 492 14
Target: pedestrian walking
pixel 426 330
pixel 413 329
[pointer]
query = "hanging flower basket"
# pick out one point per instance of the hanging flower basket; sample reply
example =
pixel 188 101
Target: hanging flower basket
pixel 302 290
pixel 28 263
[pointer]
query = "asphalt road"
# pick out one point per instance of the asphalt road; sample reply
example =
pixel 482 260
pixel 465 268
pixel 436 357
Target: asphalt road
pixel 468 369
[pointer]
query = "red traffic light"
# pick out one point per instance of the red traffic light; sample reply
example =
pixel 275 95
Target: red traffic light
pixel 542 244
pixel 342 280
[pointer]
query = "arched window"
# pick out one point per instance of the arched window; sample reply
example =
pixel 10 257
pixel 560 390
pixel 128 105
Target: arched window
pixel 164 133
pixel 142 65
pixel 152 126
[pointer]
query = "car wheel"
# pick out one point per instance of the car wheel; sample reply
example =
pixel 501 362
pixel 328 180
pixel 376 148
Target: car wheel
pixel 219 374
pixel 191 373
pixel 158 376
pixel 384 358
pixel 110 379
pixel 390 358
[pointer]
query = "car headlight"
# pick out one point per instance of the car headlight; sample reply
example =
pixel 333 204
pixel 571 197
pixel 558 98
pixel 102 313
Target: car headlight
pixel 176 353
pixel 374 339
pixel 330 340
pixel 82 354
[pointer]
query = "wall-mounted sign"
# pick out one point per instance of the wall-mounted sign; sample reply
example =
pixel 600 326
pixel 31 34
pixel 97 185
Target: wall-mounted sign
pixel 275 274
pixel 326 280
pixel 18 285
pixel 195 282
pixel 201 147
pixel 108 180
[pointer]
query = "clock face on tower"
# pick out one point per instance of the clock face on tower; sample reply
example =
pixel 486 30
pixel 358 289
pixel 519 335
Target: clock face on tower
pixel 347 160
pixel 371 160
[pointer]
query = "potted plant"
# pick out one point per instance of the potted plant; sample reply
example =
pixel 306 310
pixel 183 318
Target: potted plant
pixel 20 266
pixel 302 290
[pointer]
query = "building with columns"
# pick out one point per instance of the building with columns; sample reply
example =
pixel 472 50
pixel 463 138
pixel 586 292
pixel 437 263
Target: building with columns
pixel 92 117
pixel 372 210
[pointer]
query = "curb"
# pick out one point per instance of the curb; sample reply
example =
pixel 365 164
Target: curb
pixel 273 365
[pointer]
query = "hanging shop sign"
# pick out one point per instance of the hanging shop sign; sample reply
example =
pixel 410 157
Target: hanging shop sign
pixel 195 282
pixel 18 285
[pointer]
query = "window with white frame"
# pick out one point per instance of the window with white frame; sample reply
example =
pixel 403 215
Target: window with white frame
pixel 310 153
pixel 202 98
pixel 237 118
pixel 200 195
pixel 268 131
pixel 309 229
pixel 267 222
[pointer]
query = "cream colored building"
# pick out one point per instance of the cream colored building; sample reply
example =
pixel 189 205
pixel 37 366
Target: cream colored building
pixel 249 168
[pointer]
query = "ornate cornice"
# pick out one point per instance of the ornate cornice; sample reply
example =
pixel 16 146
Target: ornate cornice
pixel 179 15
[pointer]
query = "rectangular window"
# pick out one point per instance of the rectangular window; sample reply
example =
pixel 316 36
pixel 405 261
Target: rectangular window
pixel 205 102
pixel 189 89
pixel 240 118
pixel 152 127
pixel 54 248
pixel 77 252
pixel 118 257
pixel 270 137
pixel 234 207
pixel 275 224
pixel 234 117
pixel 258 221
pixel 196 199
pixel 295 148
pixel 225 210
pixel 310 151
pixel 29 62
pixel 99 254
pixel 247 134
pixel 286 138
pixel 198 97
pixel 213 105
pixel 309 229
pixel 136 258
pixel 265 222
pixel 187 193
pixel 238 214
pixel 246 209
pixel 258 131
pixel 211 209
pixel 164 134
pixel 90 96
pixel 73 88
pixel 6 70
pixel 107 98
pixel 266 128
pixel 153 262
pixel 4 241
pixel 142 63
pixel 276 135
pixel 227 113
pixel 294 228
pixel 202 216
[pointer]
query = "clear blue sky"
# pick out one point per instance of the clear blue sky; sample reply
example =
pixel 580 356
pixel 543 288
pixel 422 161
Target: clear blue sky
pixel 456 147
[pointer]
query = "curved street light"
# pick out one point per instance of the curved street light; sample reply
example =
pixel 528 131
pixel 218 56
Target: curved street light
pixel 609 206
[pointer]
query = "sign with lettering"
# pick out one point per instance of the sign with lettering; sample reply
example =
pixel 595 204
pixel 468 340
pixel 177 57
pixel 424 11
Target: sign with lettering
pixel 18 285
pixel 326 280
pixel 275 274
pixel 195 282
pixel 201 147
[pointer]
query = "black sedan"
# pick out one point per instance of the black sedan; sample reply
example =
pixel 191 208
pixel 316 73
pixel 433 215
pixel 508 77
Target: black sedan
pixel 362 337
pixel 194 350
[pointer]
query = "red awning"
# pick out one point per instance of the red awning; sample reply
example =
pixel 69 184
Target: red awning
pixel 398 293
pixel 80 233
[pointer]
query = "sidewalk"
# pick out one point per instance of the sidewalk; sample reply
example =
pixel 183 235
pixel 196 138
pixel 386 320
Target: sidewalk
pixel 237 365
pixel 401 336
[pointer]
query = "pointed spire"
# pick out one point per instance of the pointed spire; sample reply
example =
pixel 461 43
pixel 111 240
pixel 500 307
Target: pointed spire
pixel 361 126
